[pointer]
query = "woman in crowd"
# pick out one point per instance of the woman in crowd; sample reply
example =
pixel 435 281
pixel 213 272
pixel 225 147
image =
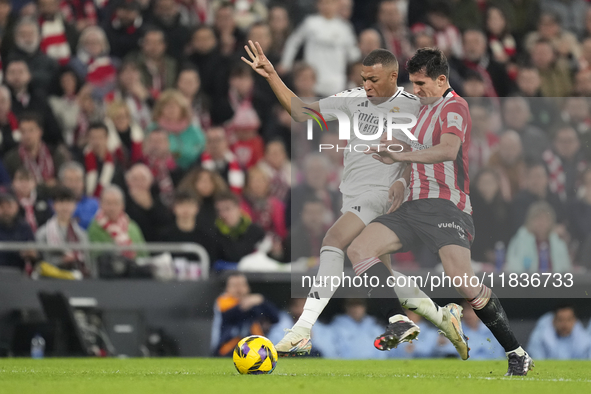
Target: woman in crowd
pixel 172 113
pixel 125 135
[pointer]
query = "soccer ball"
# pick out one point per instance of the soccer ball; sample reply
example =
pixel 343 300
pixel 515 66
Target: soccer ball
pixel 255 355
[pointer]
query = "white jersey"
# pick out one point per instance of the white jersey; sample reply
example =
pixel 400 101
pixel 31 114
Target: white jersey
pixel 362 172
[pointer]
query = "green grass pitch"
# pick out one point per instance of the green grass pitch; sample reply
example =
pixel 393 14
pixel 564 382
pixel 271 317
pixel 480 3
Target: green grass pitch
pixel 129 376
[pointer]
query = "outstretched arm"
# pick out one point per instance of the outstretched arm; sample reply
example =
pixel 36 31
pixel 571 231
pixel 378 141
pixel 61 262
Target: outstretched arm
pixel 292 103
pixel 446 150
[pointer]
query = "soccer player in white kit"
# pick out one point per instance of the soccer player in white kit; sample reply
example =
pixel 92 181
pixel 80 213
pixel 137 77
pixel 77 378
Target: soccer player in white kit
pixel 365 187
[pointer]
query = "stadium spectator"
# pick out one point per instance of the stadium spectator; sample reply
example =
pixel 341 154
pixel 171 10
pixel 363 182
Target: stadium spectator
pixel 305 238
pixel 8 122
pixel 490 214
pixel 565 162
pixel 124 28
pixel 185 207
pixel 580 216
pixel 576 112
pixel 101 167
pixel 93 63
pixel 329 62
pixel 230 36
pixel 8 19
pixel 167 17
pixel 238 313
pixel 58 37
pixel 80 13
pixel 33 153
pixel 559 335
pixel 369 40
pixel 509 164
pixel 474 85
pixel 280 26
pixel 501 42
pixel 516 116
pixel 536 189
pixel 235 236
pixel 219 158
pixel 159 159
pixel 483 140
pixel 353 330
pixel 277 167
pixel 65 105
pixel 63 228
pixel 206 185
pixel 27 98
pixel 537 247
pixel 304 80
pixel 316 170
pixel 354 78
pixel 189 84
pixel 34 208
pixel 543 109
pixel 262 208
pixel 483 345
pixel 585 59
pixel 26 46
pixel 571 13
pixel 551 31
pixel 524 17
pixel 141 204
pixel 476 58
pixel 132 90
pixel 393 31
pixel 212 65
pixel 112 225
pixel 157 69
pixel 554 71
pixel 71 176
pixel 125 136
pixel 91 111
pixel 14 229
pixel 447 36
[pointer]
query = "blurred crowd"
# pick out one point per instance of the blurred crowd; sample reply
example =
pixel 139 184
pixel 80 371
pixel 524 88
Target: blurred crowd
pixel 134 121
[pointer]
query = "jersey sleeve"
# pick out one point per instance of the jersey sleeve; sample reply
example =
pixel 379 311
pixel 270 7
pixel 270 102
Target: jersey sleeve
pixel 454 119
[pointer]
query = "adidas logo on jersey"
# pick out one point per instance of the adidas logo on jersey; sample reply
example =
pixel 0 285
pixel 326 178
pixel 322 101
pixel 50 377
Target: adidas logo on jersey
pixel 363 104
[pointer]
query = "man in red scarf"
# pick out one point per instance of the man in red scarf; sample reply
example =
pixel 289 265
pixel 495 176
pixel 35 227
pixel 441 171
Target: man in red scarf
pixel 58 38
pixel 100 165
pixel 33 154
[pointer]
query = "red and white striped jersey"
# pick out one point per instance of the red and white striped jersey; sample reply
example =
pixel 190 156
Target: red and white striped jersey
pixel 448 180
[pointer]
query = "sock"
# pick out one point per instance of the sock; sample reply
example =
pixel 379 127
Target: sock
pixel 414 299
pixel 488 308
pixel 332 263
pixel 384 297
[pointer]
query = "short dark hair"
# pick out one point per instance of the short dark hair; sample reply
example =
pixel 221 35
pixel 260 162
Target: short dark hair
pixel 31 117
pixel 431 61
pixel 564 305
pixel 62 193
pixel 440 7
pixel 24 172
pixel 240 69
pixel 227 196
pixel 99 125
pixel 183 196
pixel 381 56
pixel 230 274
pixel 473 75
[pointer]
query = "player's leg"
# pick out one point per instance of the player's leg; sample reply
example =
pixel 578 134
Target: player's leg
pixel 486 305
pixel 332 261
pixel 377 240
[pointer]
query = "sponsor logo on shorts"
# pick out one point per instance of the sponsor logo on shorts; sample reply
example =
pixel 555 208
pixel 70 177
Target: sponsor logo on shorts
pixel 461 232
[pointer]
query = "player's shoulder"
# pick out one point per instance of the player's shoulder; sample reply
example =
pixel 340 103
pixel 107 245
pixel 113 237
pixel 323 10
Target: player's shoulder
pixel 452 99
pixel 353 92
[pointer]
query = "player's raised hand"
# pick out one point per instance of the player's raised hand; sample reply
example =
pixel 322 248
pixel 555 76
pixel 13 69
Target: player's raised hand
pixel 258 61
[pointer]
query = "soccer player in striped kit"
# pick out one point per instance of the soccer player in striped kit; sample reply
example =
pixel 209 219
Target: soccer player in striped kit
pixel 437 211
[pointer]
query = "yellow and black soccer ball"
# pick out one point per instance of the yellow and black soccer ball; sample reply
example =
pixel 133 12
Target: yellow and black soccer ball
pixel 255 355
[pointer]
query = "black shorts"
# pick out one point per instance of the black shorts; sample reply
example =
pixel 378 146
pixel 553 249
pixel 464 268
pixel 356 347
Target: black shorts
pixel 434 222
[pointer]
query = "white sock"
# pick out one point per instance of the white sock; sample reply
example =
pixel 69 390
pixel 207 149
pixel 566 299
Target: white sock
pixel 332 263
pixel 520 352
pixel 413 298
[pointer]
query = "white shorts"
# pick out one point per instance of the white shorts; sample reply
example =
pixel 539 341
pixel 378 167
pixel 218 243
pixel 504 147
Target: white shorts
pixel 368 205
